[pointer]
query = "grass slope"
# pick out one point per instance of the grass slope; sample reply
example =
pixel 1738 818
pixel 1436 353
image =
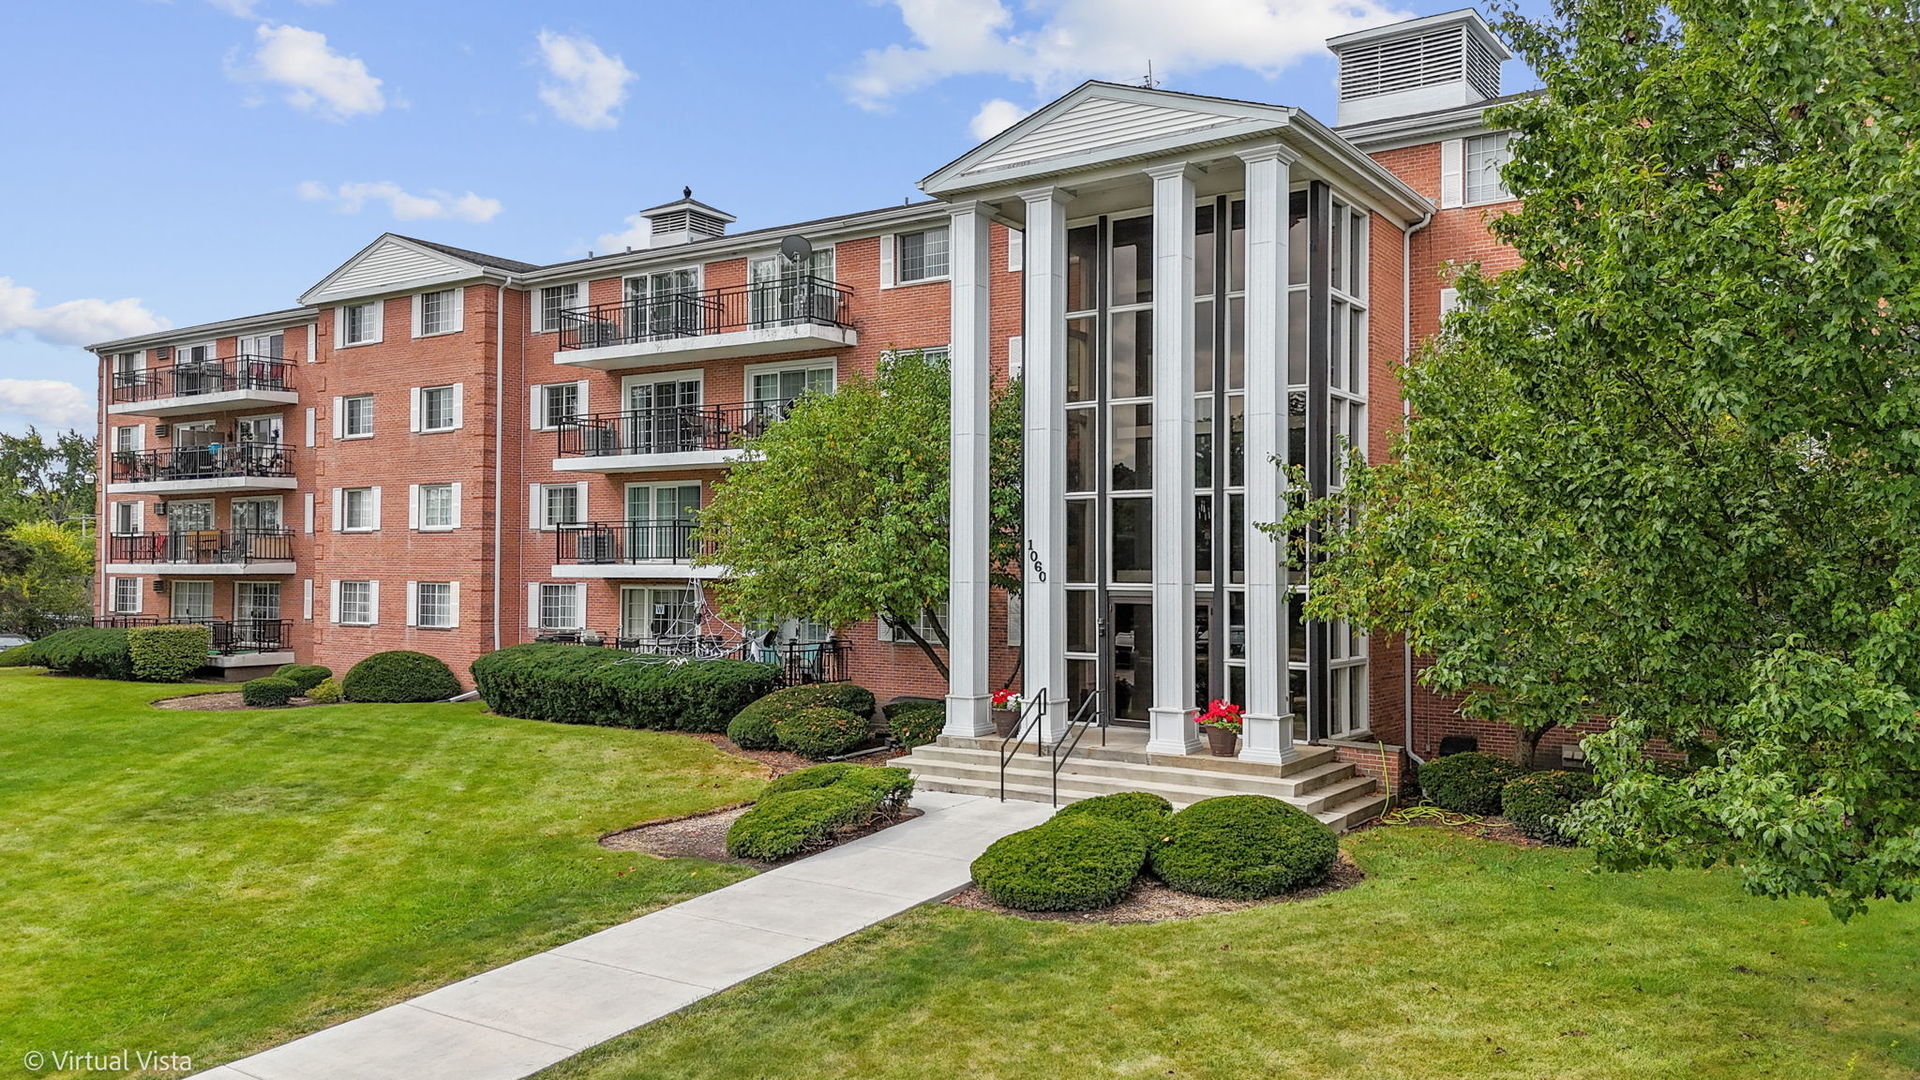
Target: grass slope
pixel 212 883
pixel 1456 958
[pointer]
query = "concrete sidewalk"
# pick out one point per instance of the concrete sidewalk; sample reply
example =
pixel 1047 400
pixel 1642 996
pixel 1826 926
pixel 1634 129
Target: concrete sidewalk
pixel 515 1020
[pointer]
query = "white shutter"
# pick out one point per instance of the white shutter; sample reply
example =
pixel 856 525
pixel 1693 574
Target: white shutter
pixel 1016 356
pixel 580 606
pixel 139 595
pixel 413 506
pixel 310 425
pixel 536 407
pixel 313 343
pixel 453 604
pixel 413 409
pixel 1452 172
pixel 308 512
pixel 373 603
pixel 1016 250
pixel 306 599
pixel 533 506
pixel 886 261
pixel 339 418
pixel 454 521
pixel 140 437
pixel 416 313
pixel 333 602
pixel 533 605
pixel 580 501
pixel 459 310
pixel 413 603
pixel 376 509
pixel 1015 608
pixel 459 404
pixel 580 403
pixel 1449 299
pixel 339 510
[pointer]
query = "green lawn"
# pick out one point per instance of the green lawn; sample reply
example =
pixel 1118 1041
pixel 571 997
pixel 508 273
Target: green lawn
pixel 1457 957
pixel 213 883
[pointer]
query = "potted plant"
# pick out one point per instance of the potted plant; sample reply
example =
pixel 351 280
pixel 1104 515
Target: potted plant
pixel 1006 712
pixel 1222 723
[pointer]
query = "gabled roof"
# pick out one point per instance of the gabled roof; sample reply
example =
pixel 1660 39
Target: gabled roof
pixel 395 263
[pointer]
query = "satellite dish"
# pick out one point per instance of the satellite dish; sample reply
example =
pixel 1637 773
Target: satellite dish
pixel 797 249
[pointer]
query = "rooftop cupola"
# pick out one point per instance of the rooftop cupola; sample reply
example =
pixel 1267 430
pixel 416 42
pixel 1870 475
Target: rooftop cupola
pixel 685 220
pixel 1421 65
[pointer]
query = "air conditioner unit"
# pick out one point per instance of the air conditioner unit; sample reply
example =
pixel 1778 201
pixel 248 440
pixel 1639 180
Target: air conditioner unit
pixel 603 441
pixel 163 431
pixel 593 547
pixel 160 509
pixel 160 585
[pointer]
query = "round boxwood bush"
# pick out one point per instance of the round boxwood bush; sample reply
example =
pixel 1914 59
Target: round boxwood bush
pixel 753 731
pixel 1068 864
pixel 400 675
pixel 804 810
pixel 1467 783
pixel 916 723
pixel 305 676
pixel 821 732
pixel 774 707
pixel 324 692
pixel 267 692
pixel 1244 847
pixel 1142 811
pixel 1535 802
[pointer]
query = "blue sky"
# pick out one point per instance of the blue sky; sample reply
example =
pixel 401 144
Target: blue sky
pixel 177 161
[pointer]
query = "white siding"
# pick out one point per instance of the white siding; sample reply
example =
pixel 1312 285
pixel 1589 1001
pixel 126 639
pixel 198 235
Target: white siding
pixel 1094 123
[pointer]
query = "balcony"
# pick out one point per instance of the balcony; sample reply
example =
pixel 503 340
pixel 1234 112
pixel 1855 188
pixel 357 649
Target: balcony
pixel 791 314
pixel 236 642
pixel 673 437
pixel 210 467
pixel 206 386
pixel 639 550
pixel 263 552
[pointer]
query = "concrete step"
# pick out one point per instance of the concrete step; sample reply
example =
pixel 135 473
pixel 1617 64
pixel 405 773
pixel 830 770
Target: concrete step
pixel 1130 748
pixel 1341 817
pixel 1283 786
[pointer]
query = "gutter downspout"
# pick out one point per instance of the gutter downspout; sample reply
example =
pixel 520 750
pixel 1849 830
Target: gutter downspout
pixel 499 437
pixel 1406 417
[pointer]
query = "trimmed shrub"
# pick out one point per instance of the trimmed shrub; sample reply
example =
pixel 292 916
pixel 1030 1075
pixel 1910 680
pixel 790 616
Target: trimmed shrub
pixel 324 692
pixel 753 731
pixel 21 656
pixel 400 676
pixel 268 691
pixel 804 810
pixel 1467 783
pixel 542 681
pixel 783 703
pixel 89 652
pixel 168 653
pixel 305 676
pixel 916 723
pixel 1244 847
pixel 672 695
pixel 1141 811
pixel 1075 863
pixel 821 732
pixel 1535 802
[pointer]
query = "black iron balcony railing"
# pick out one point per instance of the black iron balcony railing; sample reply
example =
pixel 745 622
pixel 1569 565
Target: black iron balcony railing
pixel 789 301
pixel 203 547
pixel 214 460
pixel 230 636
pixel 670 429
pixel 191 378
pixel 604 542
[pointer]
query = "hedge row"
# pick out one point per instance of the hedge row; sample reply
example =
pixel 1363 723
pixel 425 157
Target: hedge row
pixel 585 684
pixel 90 652
pixel 168 653
pixel 804 810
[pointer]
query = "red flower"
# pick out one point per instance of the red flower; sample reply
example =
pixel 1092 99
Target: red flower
pixel 1002 698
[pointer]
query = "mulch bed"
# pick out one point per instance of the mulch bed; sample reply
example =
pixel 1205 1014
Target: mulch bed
pixel 221 701
pixel 704 836
pixel 780 762
pixel 1151 901
pixel 1494 828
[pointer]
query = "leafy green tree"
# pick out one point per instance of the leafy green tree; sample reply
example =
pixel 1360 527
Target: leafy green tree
pixel 45 572
pixel 1668 471
pixel 47 481
pixel 839 512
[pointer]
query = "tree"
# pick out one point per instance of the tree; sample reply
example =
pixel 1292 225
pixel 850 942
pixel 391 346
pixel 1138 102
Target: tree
pixel 1668 471
pixel 42 481
pixel 839 512
pixel 45 569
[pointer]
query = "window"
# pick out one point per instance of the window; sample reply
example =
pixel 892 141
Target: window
pixel 659 614
pixel 559 505
pixel 1485 156
pixel 126 439
pixel 355 607
pixel 356 416
pixel 192 601
pixel 436 506
pixel 922 626
pixel 559 403
pixel 436 312
pixel 779 385
pixel 439 409
pixel 126 518
pixel 559 607
pixel 357 513
pixel 920 256
pixel 433 604
pixel 555 299
pixel 126 596
pixel 126 369
pixel 360 323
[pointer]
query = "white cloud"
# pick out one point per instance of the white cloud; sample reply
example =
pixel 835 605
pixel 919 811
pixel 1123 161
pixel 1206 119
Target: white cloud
pixel 635 235
pixel 1056 43
pixel 72 322
pixel 994 117
pixel 586 84
pixel 243 9
pixel 401 203
pixel 316 79
pixel 46 401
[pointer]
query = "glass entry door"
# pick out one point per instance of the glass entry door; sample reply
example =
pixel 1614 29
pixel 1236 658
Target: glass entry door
pixel 1127 650
pixel 663 416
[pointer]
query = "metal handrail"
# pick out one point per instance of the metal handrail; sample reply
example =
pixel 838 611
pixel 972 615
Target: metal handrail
pixel 1063 749
pixel 1038 708
pixel 191 378
pixel 784 301
pixel 668 429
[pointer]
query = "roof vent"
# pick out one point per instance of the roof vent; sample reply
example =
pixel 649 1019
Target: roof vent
pixel 1407 68
pixel 685 220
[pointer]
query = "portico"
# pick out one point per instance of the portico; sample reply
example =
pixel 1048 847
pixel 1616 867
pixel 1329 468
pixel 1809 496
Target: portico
pixel 1198 297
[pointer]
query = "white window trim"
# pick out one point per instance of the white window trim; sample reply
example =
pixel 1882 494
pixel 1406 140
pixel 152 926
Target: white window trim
pixel 459 311
pixel 453 605
pixel 831 363
pixel 340 417
pixel 890 259
pixel 373 602
pixel 340 324
pixel 886 632
pixel 416 507
pixel 137 518
pixel 581 299
pixel 139 595
pixel 340 510
pixel 537 505
pixel 417 410
pixel 579 605
pixel 537 403
pixel 1504 196
pixel 699 277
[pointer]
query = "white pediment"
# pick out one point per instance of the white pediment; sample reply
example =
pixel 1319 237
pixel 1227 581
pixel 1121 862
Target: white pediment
pixel 1092 124
pixel 389 264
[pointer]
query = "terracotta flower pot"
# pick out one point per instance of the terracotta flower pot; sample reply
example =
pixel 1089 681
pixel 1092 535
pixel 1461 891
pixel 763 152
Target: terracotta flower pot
pixel 1004 721
pixel 1222 741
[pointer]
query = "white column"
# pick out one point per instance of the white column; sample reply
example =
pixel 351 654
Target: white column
pixel 1044 455
pixel 1268 731
pixel 1172 730
pixel 971 396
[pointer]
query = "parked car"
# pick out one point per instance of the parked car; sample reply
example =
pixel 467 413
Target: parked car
pixel 8 641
